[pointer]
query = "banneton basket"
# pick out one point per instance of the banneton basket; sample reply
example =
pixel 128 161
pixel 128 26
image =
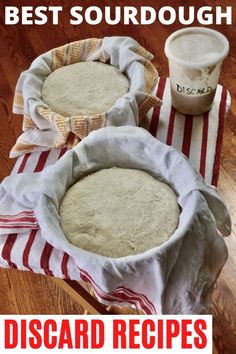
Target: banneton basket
pixel 44 129
pixel 175 277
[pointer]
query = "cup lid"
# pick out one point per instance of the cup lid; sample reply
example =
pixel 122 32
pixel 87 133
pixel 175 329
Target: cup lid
pixel 220 55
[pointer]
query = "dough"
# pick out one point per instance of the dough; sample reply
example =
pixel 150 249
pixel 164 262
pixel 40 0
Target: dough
pixel 84 88
pixel 117 212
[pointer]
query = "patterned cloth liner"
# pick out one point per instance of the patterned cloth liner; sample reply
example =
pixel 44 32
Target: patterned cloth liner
pixel 44 129
pixel 169 285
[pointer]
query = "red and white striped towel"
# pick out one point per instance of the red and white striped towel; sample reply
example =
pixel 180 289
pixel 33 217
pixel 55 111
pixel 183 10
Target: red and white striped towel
pixel 200 138
pixel 25 219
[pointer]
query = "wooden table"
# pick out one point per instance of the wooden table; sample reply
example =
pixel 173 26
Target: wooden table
pixel 19 45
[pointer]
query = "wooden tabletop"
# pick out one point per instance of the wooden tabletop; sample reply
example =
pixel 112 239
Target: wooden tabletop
pixel 19 45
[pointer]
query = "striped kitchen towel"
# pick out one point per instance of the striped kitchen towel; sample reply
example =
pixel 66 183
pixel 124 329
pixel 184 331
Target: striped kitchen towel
pixel 199 138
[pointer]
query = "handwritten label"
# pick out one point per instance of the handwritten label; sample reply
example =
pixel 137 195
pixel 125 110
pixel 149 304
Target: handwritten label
pixel 193 91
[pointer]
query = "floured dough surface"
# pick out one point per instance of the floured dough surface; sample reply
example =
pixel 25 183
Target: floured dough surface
pixel 84 88
pixel 117 212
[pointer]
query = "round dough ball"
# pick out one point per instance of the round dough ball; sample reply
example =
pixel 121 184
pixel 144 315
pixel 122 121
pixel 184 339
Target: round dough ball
pixel 118 212
pixel 84 88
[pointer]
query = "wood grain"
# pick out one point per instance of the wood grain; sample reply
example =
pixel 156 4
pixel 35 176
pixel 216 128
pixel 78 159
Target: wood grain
pixel 19 45
pixel 27 293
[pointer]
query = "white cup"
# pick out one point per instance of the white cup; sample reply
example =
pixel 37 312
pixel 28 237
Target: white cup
pixel 195 56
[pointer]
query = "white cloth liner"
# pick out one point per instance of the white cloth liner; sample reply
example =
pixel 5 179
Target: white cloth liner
pixel 176 277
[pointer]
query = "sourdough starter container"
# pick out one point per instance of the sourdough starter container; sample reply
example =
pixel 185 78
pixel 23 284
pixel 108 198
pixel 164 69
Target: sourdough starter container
pixel 195 57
